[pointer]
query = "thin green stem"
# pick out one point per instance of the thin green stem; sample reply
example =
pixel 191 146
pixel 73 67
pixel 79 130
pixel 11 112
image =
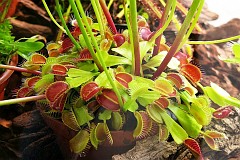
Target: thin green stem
pixel 58 8
pixel 66 15
pixel 163 28
pixel 108 16
pixel 162 21
pixel 215 41
pixel 110 3
pixel 21 100
pixel 135 37
pixel 97 11
pixel 174 19
pixel 85 35
pixel 51 16
pixel 19 69
pixel 5 10
pixel 129 29
pixel 178 39
pixel 193 24
pixel 80 8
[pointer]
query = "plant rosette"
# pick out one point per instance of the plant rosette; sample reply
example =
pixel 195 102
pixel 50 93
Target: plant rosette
pixel 96 80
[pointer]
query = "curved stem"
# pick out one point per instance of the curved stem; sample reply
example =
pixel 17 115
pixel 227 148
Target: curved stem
pixel 178 39
pixel 162 21
pixel 125 8
pixel 58 8
pixel 193 24
pixel 51 16
pixel 21 100
pixel 108 16
pixel 160 31
pixel 79 5
pixel 19 69
pixel 8 73
pixel 215 41
pixel 84 33
pixel 97 11
pixel 5 11
pixel 135 37
pixel 66 16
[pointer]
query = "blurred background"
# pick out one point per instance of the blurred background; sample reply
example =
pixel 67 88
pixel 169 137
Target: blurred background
pixel 226 9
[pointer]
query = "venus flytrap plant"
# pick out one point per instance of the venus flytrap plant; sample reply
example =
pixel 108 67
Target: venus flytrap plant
pixel 101 78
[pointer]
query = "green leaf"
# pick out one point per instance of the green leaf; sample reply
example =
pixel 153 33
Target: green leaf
pixel 201 110
pixel 187 121
pixel 130 105
pixel 76 82
pixel 116 60
pixel 105 115
pixel 177 132
pixel 103 81
pixel 232 60
pixel 154 112
pixel 117 121
pixel 93 138
pixel 82 115
pixel 124 50
pixel 25 49
pixel 77 77
pixel 73 73
pixel 145 46
pixel 220 96
pixel 148 97
pixel 79 142
pixel 137 89
pixel 86 66
pixel 236 50
pixel 43 83
pixel 157 60
pixel 164 86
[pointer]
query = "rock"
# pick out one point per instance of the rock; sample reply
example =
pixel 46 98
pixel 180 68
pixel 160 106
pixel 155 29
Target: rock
pixel 215 70
pixel 232 28
pixel 32 19
pixel 28 122
pixel 206 14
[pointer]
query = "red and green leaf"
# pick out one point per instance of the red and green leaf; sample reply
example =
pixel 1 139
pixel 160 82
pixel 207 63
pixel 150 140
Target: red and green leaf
pixel 79 142
pixel 38 59
pixel 55 90
pixel 222 112
pixel 154 113
pixel 163 133
pixel 176 79
pixel 108 99
pixel 214 134
pixel 59 69
pixel 191 72
pixel 124 79
pixel 194 148
pixel 89 90
pixel 30 82
pixel 210 142
pixel 143 125
pixel 162 102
